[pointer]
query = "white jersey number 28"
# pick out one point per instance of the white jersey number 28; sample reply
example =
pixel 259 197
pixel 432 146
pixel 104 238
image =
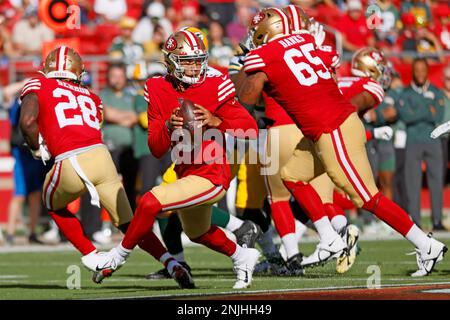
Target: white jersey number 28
pixel 303 71
pixel 84 103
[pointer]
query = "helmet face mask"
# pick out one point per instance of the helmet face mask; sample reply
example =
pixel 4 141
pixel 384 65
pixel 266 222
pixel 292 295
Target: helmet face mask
pixel 247 43
pixel 386 77
pixel 186 57
pixel 63 63
pixel 189 69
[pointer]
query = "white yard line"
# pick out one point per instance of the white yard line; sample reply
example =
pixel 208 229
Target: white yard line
pixel 13 276
pixel 269 291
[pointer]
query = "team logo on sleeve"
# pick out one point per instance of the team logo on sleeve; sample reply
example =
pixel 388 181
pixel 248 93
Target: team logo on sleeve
pixel 171 44
pixel 258 18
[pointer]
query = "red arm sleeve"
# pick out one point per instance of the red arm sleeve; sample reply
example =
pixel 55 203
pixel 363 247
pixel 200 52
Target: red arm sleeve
pixel 158 134
pixel 234 117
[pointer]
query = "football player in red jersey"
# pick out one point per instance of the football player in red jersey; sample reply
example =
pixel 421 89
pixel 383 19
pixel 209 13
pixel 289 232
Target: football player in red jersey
pixel 289 68
pixel 365 91
pixel 284 129
pixel 61 118
pixel 202 183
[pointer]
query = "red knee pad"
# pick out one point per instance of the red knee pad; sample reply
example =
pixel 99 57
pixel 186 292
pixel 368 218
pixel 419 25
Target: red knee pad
pixel 149 203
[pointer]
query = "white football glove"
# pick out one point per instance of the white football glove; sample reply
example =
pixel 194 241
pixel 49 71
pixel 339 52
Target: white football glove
pixel 383 133
pixel 316 30
pixel 42 153
pixel 440 130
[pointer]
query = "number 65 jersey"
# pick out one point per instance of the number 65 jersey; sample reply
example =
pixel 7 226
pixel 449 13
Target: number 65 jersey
pixel 301 83
pixel 69 115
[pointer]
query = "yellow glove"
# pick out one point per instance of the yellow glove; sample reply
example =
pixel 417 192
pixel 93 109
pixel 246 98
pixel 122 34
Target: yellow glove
pixel 169 176
pixel 143 119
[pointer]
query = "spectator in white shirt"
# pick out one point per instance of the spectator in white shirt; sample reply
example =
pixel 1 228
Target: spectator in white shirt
pixel 110 10
pixel 155 17
pixel 29 33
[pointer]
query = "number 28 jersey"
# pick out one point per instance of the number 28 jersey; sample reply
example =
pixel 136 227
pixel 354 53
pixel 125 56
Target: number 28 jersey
pixel 69 115
pixel 300 82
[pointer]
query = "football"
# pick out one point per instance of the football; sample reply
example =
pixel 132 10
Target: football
pixel 186 112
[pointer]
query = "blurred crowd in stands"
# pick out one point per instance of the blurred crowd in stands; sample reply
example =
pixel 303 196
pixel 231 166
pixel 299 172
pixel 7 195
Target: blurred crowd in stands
pixel 129 34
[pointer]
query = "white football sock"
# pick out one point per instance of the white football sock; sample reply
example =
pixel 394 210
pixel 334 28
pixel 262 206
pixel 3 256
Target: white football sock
pixel 166 256
pixel 339 222
pixel 300 230
pixel 418 238
pixel 170 265
pixel 237 254
pixel 325 230
pixel 290 244
pixel 234 223
pixel 123 252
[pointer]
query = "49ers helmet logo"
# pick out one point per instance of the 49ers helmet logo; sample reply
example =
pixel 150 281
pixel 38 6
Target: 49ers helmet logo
pixel 376 56
pixel 171 44
pixel 258 18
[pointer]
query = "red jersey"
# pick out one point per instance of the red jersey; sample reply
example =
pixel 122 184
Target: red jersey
pixel 69 114
pixel 275 112
pixel 356 31
pixel 217 94
pixel 300 82
pixel 352 86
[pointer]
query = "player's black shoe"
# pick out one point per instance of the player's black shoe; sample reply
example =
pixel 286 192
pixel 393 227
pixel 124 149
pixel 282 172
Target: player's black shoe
pixel 247 234
pixel 164 274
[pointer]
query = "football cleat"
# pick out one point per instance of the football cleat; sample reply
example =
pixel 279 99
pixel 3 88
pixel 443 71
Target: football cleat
pixel 274 265
pixel 183 277
pixel 262 267
pixel 247 234
pixel 102 264
pixel 350 235
pixel 325 251
pixel 244 268
pixel 164 273
pixel 294 265
pixel 427 259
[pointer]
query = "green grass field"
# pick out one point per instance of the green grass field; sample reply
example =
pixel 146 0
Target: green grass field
pixel 44 275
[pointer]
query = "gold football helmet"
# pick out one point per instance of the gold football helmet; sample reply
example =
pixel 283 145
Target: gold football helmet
pixel 371 62
pixel 269 24
pixel 63 63
pixel 299 21
pixel 199 33
pixel 184 48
